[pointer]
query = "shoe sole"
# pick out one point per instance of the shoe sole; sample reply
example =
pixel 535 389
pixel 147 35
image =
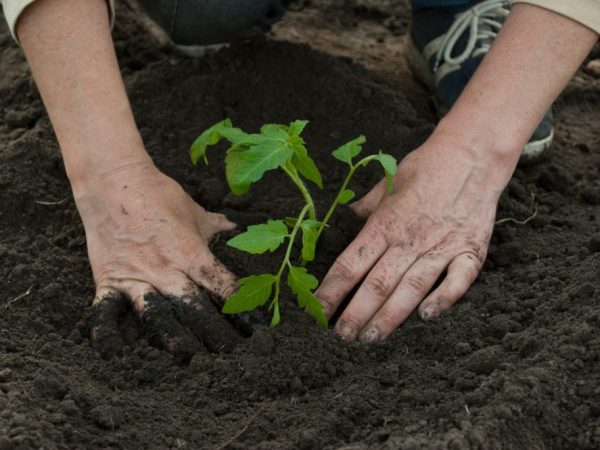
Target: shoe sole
pixel 534 151
pixel 198 51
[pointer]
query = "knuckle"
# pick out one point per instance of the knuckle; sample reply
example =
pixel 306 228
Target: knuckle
pixel 328 303
pixel 387 319
pixel 379 286
pixel 344 269
pixel 416 284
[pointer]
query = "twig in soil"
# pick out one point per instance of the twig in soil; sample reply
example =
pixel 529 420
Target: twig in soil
pixel 59 202
pixel 521 222
pixel 230 441
pixel 19 297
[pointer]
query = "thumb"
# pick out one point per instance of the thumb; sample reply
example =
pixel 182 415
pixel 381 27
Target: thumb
pixel 368 204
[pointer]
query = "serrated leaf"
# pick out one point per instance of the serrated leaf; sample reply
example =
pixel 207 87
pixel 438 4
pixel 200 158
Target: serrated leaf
pixel 345 196
pixel 297 127
pixel 303 163
pixel 232 164
pixel 299 279
pixel 210 136
pixel 252 163
pixel 309 238
pixel 272 131
pixel 254 291
pixel 390 166
pixel 314 307
pixel 302 283
pixel 257 239
pixel 349 150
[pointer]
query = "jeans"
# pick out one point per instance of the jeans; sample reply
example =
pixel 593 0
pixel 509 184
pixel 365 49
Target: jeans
pixel 206 22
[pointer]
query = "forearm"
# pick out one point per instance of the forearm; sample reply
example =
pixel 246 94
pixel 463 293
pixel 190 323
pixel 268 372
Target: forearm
pixel 70 51
pixel 534 56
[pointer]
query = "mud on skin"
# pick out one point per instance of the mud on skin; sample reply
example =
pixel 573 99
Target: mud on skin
pixel 513 365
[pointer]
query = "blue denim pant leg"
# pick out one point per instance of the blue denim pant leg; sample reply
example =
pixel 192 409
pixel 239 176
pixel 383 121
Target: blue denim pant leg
pixel 206 22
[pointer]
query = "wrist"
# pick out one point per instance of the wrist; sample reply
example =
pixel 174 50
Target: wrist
pixel 100 176
pixel 88 162
pixel 469 161
pixel 482 148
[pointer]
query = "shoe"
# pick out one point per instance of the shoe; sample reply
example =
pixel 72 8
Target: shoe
pixel 446 45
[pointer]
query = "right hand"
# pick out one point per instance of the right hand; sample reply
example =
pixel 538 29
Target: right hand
pixel 148 242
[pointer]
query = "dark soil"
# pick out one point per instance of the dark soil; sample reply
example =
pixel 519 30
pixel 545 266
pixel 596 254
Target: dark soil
pixel 514 365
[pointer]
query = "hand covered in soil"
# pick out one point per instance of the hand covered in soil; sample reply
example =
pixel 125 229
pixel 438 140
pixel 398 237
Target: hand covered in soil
pixel 148 242
pixel 436 223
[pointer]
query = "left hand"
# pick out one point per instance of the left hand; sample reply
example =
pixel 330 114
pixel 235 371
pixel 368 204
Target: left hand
pixel 439 219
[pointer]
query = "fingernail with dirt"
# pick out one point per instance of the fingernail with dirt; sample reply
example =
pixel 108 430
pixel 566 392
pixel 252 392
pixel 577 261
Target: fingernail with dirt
pixel 344 330
pixel 428 313
pixel 370 335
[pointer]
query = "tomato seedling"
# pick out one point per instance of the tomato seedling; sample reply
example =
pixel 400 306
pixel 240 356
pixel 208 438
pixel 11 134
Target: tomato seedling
pixel 248 158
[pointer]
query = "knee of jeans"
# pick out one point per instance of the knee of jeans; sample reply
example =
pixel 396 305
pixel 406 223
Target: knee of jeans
pixel 205 22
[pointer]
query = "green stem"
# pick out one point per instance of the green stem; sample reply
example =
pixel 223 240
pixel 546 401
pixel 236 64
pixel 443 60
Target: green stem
pixel 288 253
pixel 293 174
pixel 334 205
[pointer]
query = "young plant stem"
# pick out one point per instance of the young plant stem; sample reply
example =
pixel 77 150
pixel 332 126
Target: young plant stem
pixel 293 174
pixel 288 253
pixel 334 205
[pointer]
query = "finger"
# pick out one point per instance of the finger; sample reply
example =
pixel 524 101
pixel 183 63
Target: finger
pixel 462 272
pixel 200 315
pixel 369 203
pixel 213 276
pixel 350 267
pixel 175 284
pixel 373 292
pixel 163 330
pixel 107 308
pixel 414 286
pixel 213 223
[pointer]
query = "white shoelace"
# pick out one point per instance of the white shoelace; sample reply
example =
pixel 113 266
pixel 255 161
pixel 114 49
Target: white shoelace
pixel 489 13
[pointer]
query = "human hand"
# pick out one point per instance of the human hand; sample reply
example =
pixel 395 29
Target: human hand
pixel 439 219
pixel 148 242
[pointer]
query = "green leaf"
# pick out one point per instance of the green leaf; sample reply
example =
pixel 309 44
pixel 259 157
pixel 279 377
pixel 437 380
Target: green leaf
pixel 232 164
pixel 302 283
pixel 345 196
pixel 254 291
pixel 299 279
pixel 250 163
pixel 211 136
pixel 297 127
pixel 390 166
pixel 272 131
pixel 304 163
pixel 309 238
pixel 349 150
pixel 314 307
pixel 257 239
